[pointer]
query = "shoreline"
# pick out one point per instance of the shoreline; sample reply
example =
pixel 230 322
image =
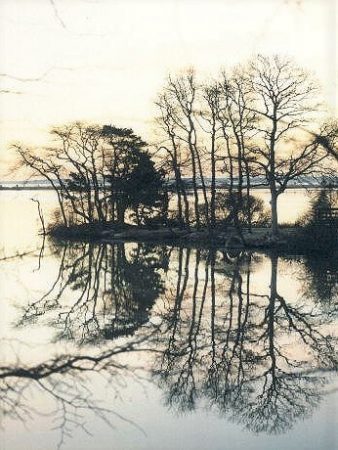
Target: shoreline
pixel 290 238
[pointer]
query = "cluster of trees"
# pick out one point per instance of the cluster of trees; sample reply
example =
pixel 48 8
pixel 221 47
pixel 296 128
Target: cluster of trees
pixel 98 173
pixel 249 122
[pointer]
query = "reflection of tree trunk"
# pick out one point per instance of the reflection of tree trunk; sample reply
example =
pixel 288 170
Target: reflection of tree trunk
pixel 271 314
pixel 213 303
pixel 232 332
pixel 196 314
pixel 194 294
pixel 245 315
pixel 180 291
pixel 273 282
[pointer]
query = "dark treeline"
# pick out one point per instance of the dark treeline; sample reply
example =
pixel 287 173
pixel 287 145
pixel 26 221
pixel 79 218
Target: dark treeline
pixel 213 333
pixel 252 121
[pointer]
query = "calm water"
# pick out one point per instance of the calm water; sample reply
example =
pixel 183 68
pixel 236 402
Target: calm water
pixel 135 346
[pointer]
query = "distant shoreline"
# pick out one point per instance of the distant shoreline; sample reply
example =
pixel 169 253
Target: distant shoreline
pixel 30 188
pixel 50 188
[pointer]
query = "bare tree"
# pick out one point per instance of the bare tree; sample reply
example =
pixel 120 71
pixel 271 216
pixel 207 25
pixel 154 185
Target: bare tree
pixel 209 129
pixel 210 114
pixel 284 96
pixel 237 123
pixel 173 149
pixel 181 94
pixel 44 167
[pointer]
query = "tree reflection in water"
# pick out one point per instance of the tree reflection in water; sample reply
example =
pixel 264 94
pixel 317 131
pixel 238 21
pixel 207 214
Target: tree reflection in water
pixel 113 291
pixel 230 345
pixel 216 335
pixel 62 383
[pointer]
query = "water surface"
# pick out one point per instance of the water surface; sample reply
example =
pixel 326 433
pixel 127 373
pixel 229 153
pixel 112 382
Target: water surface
pixel 136 346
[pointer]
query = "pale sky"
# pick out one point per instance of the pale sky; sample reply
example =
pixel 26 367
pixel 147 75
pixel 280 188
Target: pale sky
pixel 104 60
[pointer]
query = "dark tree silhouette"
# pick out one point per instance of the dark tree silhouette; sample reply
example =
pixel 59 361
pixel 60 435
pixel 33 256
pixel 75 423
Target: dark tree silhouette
pixel 97 173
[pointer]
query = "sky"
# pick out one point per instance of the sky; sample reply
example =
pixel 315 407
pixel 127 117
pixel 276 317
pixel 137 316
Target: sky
pixel 104 61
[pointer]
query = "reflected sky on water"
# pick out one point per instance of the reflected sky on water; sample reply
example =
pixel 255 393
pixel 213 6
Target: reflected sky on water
pixel 136 346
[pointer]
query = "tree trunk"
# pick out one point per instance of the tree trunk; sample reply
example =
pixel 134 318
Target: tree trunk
pixel 213 181
pixel 178 193
pixel 274 214
pixel 120 211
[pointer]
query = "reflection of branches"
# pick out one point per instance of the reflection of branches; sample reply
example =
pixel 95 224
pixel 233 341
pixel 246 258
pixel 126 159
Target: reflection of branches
pixel 64 380
pixel 286 399
pixel 321 281
pixel 114 291
pixel 233 351
pixel 17 255
pixel 215 336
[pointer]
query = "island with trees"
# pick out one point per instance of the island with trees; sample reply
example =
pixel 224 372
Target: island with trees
pixel 216 140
